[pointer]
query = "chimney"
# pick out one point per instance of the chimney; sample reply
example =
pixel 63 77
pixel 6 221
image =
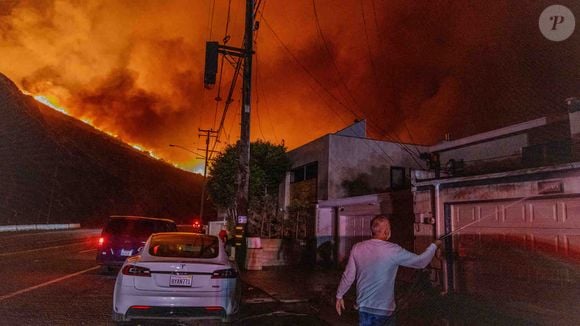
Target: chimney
pixel 574 118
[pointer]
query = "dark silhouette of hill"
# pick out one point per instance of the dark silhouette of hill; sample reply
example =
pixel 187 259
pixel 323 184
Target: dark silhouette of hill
pixel 56 169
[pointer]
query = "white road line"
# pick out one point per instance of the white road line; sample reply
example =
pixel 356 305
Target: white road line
pixel 88 250
pixel 13 294
pixel 38 249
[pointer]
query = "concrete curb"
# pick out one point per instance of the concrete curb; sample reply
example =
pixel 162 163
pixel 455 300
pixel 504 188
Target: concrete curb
pixel 38 227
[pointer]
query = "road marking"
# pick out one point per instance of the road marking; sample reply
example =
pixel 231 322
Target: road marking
pixel 88 250
pixel 38 249
pixel 13 294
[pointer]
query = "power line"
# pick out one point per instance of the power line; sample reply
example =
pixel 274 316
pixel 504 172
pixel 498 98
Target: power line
pixel 374 67
pixel 297 61
pixel 347 88
pixel 258 101
pixel 211 16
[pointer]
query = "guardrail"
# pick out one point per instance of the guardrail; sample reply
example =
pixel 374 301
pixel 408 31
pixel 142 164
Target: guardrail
pixel 38 227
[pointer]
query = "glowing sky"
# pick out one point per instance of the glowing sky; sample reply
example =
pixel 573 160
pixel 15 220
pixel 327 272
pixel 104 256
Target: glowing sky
pixel 414 69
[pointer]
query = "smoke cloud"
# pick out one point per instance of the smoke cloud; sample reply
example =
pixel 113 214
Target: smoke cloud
pixel 414 70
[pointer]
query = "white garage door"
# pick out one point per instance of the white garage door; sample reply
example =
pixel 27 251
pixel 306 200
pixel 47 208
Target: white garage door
pixel 524 252
pixel 548 225
pixel 351 229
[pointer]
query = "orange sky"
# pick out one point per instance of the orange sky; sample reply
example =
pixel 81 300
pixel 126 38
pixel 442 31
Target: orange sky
pixel 414 70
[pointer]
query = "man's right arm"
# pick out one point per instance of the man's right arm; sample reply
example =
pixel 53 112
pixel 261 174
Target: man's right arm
pixel 345 282
pixel 347 277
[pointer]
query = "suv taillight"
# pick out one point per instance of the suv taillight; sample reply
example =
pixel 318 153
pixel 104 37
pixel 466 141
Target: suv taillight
pixel 133 270
pixel 225 273
pixel 101 241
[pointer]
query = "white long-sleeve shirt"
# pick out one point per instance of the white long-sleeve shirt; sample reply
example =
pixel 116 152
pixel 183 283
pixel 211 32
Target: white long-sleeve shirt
pixel 374 264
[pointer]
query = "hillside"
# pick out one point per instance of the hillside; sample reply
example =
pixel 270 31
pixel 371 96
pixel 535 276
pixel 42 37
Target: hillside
pixel 56 169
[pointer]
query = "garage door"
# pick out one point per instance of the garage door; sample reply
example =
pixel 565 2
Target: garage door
pixel 351 229
pixel 525 252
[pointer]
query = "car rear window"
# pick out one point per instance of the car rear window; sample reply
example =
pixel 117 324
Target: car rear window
pixel 137 228
pixel 184 246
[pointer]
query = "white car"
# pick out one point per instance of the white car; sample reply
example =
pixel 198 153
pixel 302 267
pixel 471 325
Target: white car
pixel 178 275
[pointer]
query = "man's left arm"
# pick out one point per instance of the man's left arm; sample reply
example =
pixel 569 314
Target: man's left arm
pixel 409 259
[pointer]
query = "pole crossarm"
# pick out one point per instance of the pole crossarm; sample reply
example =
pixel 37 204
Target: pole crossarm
pixel 233 51
pixel 208 134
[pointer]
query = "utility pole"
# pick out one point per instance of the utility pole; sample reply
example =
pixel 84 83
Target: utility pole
pixel 243 168
pixel 243 178
pixel 208 134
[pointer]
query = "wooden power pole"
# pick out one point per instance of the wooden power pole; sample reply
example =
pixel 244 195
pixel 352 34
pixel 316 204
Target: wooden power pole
pixel 208 134
pixel 243 167
pixel 243 178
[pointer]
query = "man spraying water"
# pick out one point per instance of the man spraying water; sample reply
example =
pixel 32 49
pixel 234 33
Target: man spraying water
pixel 374 264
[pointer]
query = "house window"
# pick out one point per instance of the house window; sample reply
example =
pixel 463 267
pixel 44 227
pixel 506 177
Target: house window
pixel 305 172
pixel 311 171
pixel 398 178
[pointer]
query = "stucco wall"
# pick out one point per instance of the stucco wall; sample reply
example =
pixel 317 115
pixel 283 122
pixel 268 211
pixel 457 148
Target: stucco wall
pixel 350 157
pixel 496 149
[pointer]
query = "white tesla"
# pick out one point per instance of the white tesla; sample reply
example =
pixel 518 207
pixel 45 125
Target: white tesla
pixel 178 275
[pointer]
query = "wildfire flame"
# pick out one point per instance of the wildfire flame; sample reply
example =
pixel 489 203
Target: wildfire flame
pixel 52 102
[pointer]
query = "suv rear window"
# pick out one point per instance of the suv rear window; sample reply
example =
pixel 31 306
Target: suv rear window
pixel 137 228
pixel 184 246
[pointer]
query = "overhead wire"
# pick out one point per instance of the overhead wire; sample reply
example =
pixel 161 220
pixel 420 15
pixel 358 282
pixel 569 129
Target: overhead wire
pixel 225 40
pixel 376 79
pixel 258 98
pixel 210 20
pixel 255 79
pixel 319 83
pixel 237 69
pixel 330 57
pixel 349 91
pixel 341 78
pixel 306 70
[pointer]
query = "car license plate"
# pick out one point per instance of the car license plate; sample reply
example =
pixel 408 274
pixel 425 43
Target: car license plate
pixel 180 280
pixel 127 252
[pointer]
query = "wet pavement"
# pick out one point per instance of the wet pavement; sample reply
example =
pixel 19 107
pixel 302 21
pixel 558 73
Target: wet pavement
pixel 292 296
pixel 291 293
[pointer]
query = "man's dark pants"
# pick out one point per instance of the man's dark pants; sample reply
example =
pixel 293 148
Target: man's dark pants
pixel 368 319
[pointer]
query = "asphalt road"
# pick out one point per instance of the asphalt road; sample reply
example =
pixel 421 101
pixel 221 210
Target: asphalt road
pixel 51 278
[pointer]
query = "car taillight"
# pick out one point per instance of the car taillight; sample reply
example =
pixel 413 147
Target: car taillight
pixel 101 241
pixel 133 270
pixel 225 273
pixel 214 308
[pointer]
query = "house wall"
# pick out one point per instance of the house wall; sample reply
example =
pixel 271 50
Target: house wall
pixel 507 209
pixel 351 157
pixel 498 149
pixel 315 151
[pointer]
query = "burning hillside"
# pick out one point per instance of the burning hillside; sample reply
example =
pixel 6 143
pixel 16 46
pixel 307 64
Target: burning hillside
pixel 55 169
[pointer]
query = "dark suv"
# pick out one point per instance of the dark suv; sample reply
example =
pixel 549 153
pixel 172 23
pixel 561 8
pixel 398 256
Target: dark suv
pixel 123 236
